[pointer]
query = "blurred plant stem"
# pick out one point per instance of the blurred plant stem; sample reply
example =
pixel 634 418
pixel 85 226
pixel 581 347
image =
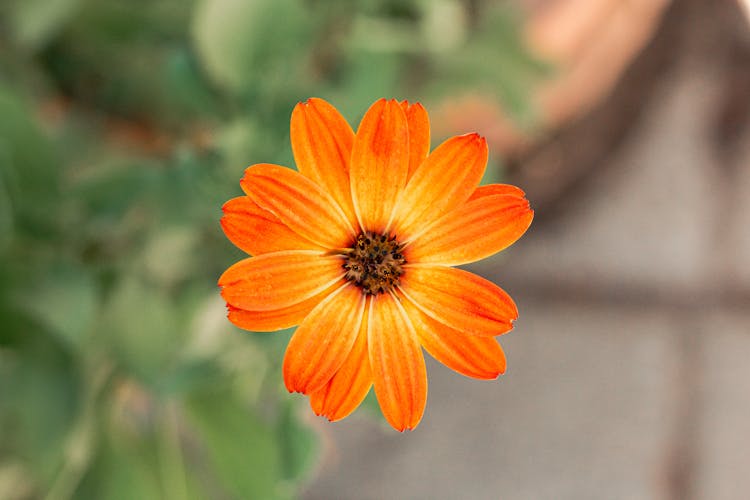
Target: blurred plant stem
pixel 171 459
pixel 82 441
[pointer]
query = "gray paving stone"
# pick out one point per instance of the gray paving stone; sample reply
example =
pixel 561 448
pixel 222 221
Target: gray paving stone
pixel 585 411
pixel 723 461
pixel 649 220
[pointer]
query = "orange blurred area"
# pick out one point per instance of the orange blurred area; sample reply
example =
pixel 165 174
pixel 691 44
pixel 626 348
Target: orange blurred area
pixel 588 43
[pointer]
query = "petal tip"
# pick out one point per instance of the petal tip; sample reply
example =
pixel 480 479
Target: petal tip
pixel 311 102
pixel 226 207
pixel 474 139
pixel 330 417
pixel 223 281
pixel 415 109
pixel 289 382
pixel 291 387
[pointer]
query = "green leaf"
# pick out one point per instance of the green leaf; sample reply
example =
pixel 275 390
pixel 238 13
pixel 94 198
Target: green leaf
pixel 444 24
pixel 236 142
pixel 246 43
pixel 368 74
pixel 299 445
pixel 125 468
pixel 40 389
pixel 493 61
pixel 189 376
pixel 186 89
pixel 6 213
pixel 140 329
pixel 34 22
pixel 64 301
pixel 108 191
pixel 168 256
pixel 155 80
pixel 242 449
pixel 30 168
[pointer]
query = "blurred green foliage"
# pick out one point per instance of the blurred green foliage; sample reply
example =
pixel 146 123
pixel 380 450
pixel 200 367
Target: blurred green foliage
pixel 124 126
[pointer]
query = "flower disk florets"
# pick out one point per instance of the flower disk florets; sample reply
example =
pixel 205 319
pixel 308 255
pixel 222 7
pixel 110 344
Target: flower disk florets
pixel 374 263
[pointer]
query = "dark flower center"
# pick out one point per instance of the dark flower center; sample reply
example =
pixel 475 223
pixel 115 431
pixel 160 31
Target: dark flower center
pixel 374 263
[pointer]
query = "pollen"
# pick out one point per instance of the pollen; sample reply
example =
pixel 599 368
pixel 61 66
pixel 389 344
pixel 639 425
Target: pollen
pixel 374 263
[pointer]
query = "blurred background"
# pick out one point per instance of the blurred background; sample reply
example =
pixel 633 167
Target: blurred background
pixel 124 126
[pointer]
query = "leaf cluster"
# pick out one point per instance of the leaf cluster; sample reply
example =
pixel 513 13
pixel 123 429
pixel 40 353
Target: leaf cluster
pixel 124 126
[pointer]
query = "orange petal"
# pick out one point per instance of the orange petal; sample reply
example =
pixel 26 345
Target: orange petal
pixel 473 231
pixel 419 134
pixel 470 355
pixel 491 189
pixel 380 164
pixel 258 231
pixel 322 145
pixel 459 299
pixel 323 341
pixel 397 363
pixel 445 180
pixel 350 385
pixel 277 319
pixel 299 203
pixel 279 279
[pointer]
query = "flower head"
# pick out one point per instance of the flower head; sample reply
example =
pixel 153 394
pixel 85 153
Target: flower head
pixel 357 249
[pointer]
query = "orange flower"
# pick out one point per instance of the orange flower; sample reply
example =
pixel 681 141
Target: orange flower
pixel 357 247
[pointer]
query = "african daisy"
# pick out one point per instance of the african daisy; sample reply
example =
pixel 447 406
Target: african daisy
pixel 357 249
